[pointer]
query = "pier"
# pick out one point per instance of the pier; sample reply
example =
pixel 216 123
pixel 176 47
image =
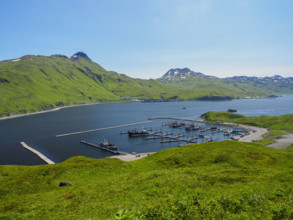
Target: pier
pixel 100 129
pixel 102 148
pixel 159 136
pixel 40 155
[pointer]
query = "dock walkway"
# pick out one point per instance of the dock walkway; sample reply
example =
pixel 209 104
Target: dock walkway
pixel 102 148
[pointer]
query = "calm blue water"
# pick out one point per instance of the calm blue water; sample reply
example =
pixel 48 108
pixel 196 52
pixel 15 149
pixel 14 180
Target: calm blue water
pixel 39 131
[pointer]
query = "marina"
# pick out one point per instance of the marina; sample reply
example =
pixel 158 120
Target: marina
pixel 180 124
pixel 94 122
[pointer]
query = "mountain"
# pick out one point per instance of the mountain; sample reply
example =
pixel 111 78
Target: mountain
pixel 36 83
pixel 79 55
pixel 183 74
pixel 271 85
pixel 237 86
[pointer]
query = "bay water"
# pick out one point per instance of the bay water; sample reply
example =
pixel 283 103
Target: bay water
pixel 39 131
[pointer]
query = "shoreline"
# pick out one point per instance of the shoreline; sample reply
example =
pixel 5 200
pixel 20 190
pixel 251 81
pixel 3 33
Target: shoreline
pixel 132 157
pixel 86 104
pixel 256 133
pixel 52 110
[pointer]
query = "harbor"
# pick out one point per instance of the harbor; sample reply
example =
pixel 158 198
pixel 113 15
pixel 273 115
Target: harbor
pixel 106 117
pixel 163 133
pixel 190 133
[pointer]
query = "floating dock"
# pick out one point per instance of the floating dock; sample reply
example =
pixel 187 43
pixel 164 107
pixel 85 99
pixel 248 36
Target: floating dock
pixel 102 148
pixel 159 136
pixel 40 155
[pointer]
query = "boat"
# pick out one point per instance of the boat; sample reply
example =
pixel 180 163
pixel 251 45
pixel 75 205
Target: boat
pixel 107 145
pixel 175 124
pixel 189 127
pixel 201 135
pixel 137 133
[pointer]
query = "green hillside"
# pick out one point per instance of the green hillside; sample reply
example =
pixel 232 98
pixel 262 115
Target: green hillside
pixel 200 86
pixel 40 83
pixel 224 180
pixel 37 83
pixel 283 122
pixel 195 89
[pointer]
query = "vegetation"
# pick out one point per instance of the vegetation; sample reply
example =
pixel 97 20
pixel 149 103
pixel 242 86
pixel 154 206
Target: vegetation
pixel 230 180
pixel 37 83
pixel 283 122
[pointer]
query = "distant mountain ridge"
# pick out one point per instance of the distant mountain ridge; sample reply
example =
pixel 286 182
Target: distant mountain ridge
pixel 37 83
pixel 210 87
pixel 187 74
pixel 267 79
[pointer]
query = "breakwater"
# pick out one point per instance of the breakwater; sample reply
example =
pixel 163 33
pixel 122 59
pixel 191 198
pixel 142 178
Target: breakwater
pixel 179 119
pixel 40 155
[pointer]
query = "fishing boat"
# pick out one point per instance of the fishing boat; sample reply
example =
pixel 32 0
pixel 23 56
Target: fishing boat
pixel 137 133
pixel 107 145
pixel 189 127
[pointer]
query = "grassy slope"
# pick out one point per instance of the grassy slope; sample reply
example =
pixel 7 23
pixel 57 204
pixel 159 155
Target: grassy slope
pixel 284 122
pixel 211 180
pixel 273 88
pixel 37 82
pixel 125 86
pixel 199 87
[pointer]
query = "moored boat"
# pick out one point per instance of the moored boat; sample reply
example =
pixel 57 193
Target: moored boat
pixel 137 133
pixel 107 145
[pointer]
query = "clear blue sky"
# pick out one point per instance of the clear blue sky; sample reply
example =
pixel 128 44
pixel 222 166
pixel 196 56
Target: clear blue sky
pixel 145 38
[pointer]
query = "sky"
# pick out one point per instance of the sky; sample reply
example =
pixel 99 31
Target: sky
pixel 146 38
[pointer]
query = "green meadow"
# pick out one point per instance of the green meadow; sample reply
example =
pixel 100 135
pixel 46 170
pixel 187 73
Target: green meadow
pixel 283 122
pixel 224 180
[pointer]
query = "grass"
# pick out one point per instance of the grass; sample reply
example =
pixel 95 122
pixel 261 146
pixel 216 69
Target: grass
pixel 283 122
pixel 212 180
pixel 276 133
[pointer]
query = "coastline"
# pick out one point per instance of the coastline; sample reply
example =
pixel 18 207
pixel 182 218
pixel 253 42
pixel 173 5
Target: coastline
pixel 50 110
pixel 132 157
pixel 85 104
pixel 255 134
